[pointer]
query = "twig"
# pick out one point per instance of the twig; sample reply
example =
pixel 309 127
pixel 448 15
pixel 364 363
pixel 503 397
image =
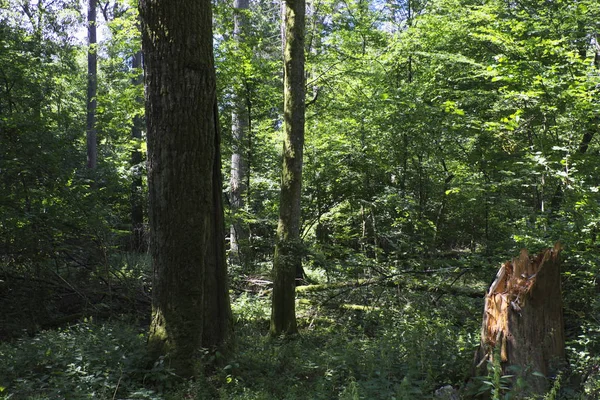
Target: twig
pixel 118 383
pixel 76 291
pixel 464 271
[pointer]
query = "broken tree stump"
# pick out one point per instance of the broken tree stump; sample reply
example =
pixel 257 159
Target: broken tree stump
pixel 523 319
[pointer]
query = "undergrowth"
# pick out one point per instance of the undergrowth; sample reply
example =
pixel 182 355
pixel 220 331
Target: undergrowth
pixel 398 349
pixel 87 360
pixel 364 343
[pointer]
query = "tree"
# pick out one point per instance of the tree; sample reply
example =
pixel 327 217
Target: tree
pixel 250 69
pixel 92 87
pixel 137 197
pixel 42 103
pixel 288 258
pixel 240 123
pixel 120 112
pixel 190 299
pixel 523 319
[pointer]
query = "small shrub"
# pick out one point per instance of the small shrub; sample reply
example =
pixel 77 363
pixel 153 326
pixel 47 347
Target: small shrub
pixel 87 360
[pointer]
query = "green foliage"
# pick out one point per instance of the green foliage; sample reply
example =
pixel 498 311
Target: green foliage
pixel 554 391
pixel 83 361
pixel 39 132
pixel 56 213
pixel 400 350
pixel 585 360
pixel 495 385
pixel 253 67
pixel 439 134
pixel 391 344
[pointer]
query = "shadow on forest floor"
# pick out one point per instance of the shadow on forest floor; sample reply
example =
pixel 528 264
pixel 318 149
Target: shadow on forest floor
pixel 362 340
pixel 369 342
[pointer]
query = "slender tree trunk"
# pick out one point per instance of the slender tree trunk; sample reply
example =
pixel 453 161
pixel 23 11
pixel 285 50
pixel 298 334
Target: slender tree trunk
pixel 288 257
pixel 589 134
pixel 137 197
pixel 92 84
pixel 239 161
pixel 190 298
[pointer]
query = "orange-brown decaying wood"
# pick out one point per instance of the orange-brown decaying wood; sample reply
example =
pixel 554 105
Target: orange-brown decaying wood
pixel 522 319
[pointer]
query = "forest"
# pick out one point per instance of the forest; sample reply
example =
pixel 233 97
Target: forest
pixel 300 199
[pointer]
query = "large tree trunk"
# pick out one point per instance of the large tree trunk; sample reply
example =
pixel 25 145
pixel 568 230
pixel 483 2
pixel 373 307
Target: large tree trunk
pixel 523 318
pixel 240 124
pixel 92 85
pixel 218 325
pixel 288 259
pixel 190 298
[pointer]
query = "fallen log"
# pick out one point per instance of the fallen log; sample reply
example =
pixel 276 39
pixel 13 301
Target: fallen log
pixel 395 282
pixel 523 320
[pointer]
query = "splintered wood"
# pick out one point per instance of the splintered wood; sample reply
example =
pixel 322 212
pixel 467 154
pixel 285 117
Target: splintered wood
pixel 508 291
pixel 522 318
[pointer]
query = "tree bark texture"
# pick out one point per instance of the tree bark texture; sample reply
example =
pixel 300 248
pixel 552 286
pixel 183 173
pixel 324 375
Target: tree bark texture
pixel 287 258
pixel 190 298
pixel 240 123
pixel 218 325
pixel 523 318
pixel 92 88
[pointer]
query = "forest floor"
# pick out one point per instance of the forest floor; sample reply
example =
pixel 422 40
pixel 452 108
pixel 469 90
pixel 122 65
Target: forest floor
pixel 400 337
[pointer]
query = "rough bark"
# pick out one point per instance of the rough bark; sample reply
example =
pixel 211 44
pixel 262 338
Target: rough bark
pixel 190 298
pixel 523 318
pixel 92 85
pixel 287 260
pixel 218 325
pixel 240 123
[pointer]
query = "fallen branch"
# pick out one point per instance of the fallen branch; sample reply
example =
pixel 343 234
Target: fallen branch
pixel 391 282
